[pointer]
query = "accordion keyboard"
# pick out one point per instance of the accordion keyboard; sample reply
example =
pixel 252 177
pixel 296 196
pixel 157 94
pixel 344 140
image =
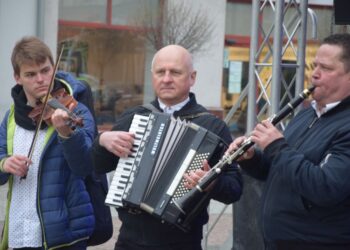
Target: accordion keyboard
pixel 125 165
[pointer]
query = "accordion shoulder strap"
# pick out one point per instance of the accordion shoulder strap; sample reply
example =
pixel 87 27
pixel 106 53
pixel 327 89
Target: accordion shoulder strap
pixel 150 107
pixel 192 116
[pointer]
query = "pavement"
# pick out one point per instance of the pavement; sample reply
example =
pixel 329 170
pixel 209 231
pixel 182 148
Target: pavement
pixel 217 233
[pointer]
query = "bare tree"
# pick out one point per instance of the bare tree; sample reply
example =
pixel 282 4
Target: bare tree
pixel 176 23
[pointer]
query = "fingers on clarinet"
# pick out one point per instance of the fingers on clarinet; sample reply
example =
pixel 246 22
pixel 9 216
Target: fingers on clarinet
pixel 188 185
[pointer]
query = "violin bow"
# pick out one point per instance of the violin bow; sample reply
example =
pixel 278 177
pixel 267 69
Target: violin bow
pixel 31 149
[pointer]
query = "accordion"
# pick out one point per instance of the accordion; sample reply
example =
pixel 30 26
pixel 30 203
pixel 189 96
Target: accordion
pixel 151 178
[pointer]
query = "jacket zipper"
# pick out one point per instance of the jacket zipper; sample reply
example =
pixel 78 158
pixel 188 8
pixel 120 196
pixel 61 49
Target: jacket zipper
pixel 302 137
pixel 314 121
pixel 296 145
pixel 39 207
pixel 48 138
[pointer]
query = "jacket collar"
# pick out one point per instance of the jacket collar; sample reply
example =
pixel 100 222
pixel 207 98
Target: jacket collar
pixel 191 107
pixel 344 104
pixel 22 110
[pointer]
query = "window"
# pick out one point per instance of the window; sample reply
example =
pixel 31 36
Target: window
pixel 107 53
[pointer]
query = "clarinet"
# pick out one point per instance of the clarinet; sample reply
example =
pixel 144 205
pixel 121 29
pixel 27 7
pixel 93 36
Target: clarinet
pixel 186 202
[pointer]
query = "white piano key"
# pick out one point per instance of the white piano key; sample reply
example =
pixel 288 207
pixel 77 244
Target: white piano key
pixel 124 170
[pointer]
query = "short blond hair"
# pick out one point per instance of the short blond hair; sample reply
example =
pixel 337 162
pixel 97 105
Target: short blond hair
pixel 30 50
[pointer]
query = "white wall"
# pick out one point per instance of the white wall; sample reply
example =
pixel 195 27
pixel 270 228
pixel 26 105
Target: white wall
pixel 20 18
pixel 209 66
pixel 17 18
pixel 48 23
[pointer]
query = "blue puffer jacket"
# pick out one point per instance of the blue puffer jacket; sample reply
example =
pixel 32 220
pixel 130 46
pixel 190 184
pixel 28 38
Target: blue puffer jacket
pixel 64 207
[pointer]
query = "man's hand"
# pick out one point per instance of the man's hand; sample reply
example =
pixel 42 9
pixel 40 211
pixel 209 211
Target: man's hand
pixel 17 165
pixel 118 142
pixel 236 144
pixel 59 120
pixel 264 133
pixel 193 177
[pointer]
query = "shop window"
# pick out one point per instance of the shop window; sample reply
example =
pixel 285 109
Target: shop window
pixel 83 10
pixel 106 53
pixel 112 62
pixel 135 12
pixel 235 79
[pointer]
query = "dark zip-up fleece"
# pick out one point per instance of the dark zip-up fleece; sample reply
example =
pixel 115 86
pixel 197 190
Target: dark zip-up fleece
pixel 142 228
pixel 307 173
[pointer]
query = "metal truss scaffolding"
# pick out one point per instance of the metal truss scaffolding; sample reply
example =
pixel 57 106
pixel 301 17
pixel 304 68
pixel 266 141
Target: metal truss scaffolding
pixel 267 94
pixel 273 82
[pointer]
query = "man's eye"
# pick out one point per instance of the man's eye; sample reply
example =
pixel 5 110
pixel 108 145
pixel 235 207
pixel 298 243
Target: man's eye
pixel 175 73
pixel 29 75
pixel 45 70
pixel 325 68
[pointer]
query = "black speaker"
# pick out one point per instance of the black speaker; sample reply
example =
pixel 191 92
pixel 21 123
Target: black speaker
pixel 341 12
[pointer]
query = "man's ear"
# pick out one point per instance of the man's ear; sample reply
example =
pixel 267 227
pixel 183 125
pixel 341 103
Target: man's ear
pixel 16 78
pixel 193 77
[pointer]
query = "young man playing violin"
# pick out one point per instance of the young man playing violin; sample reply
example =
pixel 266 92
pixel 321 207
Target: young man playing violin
pixel 48 205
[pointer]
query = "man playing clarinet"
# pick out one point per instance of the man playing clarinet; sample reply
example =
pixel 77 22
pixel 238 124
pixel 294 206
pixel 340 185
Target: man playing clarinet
pixel 306 169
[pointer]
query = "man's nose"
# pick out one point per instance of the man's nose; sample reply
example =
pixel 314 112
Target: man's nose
pixel 167 77
pixel 39 77
pixel 315 73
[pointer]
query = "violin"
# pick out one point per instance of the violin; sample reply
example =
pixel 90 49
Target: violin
pixel 58 99
pixel 52 100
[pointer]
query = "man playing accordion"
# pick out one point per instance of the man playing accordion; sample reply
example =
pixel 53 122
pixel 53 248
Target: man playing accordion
pixel 173 76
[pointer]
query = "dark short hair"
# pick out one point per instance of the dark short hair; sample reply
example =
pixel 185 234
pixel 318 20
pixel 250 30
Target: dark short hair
pixel 342 40
pixel 30 50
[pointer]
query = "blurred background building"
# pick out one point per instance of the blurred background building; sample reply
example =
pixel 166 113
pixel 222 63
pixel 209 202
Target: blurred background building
pixel 109 44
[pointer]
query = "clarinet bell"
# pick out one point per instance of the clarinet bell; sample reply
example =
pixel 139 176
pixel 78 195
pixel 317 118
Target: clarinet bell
pixel 188 201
